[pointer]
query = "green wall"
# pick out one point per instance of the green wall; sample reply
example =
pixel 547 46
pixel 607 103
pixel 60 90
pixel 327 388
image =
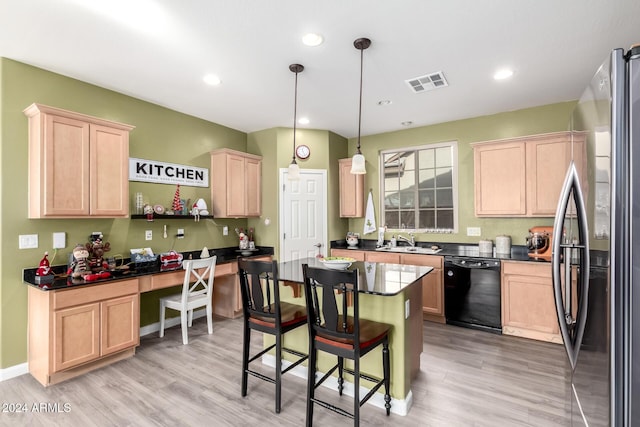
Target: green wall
pixel 166 135
pixel 160 134
pixel 326 148
pixel 550 118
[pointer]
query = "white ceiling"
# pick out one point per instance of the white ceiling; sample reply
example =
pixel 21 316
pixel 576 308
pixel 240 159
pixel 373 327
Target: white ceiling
pixel 159 50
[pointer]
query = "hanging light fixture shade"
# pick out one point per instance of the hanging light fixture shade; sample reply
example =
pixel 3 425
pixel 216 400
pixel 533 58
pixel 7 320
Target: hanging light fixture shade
pixel 357 162
pixel 294 170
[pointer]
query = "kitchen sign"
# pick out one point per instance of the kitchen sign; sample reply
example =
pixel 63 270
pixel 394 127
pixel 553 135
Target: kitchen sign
pixel 167 173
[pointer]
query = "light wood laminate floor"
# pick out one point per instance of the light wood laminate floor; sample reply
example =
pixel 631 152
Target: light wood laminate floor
pixel 467 378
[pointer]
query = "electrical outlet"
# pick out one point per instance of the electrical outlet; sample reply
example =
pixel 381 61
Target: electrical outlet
pixel 28 241
pixel 59 240
pixel 406 309
pixel 473 231
pixel 148 235
pixel 225 231
pixel 180 233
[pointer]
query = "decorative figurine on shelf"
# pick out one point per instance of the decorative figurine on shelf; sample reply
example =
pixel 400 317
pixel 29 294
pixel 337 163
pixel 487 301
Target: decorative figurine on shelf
pixel 202 207
pixel 196 213
pixel 79 267
pixel 176 206
pixel 148 211
pixel 96 249
pixel 44 273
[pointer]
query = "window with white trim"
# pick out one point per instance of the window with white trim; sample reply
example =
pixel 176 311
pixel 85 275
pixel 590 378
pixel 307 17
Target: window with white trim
pixel 419 188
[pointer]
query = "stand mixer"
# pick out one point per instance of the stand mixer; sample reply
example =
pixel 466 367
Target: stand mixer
pixel 539 242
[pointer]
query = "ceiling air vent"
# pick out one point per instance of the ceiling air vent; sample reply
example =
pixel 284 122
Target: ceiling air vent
pixel 427 82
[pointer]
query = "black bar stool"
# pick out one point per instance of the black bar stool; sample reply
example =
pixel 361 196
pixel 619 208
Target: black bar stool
pixel 264 312
pixel 334 331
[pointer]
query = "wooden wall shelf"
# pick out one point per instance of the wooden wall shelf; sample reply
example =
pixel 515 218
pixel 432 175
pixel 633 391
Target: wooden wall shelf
pixel 163 216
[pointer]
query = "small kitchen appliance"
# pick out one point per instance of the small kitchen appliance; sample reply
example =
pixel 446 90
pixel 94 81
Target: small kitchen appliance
pixel 485 247
pixel 539 242
pixel 503 245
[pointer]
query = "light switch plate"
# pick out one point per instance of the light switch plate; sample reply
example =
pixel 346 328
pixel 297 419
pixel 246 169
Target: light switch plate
pixel 225 231
pixel 59 240
pixel 148 235
pixel 406 309
pixel 473 231
pixel 28 241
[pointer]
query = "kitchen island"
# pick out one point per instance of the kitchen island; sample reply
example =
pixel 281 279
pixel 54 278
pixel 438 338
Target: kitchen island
pixel 389 293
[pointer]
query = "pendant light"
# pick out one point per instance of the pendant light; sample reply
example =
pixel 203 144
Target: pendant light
pixel 357 162
pixel 294 169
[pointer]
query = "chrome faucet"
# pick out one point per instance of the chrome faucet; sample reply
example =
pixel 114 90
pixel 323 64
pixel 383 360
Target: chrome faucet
pixel 411 240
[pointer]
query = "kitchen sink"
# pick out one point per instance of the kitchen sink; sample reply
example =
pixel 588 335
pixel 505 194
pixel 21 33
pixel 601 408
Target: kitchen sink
pixel 410 250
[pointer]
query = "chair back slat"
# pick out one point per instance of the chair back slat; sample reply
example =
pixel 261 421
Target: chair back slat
pixel 329 309
pixel 328 316
pixel 196 283
pixel 259 288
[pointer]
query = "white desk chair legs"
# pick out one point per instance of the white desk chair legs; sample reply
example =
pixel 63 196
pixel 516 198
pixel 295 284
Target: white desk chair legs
pixel 196 295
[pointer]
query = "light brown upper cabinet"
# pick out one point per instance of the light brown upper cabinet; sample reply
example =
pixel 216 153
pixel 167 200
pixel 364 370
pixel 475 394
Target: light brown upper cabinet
pixel 523 176
pixel 78 165
pixel 235 184
pixel 351 191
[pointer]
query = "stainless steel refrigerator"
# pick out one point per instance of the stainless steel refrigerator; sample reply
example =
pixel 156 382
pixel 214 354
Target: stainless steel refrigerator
pixel 596 249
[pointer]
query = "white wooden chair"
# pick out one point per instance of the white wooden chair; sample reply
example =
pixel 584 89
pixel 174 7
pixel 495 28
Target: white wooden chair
pixel 196 295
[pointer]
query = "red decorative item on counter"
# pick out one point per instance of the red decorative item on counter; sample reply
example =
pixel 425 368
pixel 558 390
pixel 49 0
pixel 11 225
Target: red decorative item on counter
pixel 44 269
pixel 44 274
pixel 97 276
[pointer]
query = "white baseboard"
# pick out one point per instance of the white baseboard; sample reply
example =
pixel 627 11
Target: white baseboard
pixel 14 371
pixel 173 321
pixel 398 406
pixel 23 368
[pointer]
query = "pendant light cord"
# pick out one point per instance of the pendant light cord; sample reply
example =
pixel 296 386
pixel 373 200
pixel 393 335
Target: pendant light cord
pixel 295 68
pixel 360 104
pixel 295 115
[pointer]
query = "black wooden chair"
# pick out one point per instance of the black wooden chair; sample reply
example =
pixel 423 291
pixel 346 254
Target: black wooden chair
pixel 333 330
pixel 264 312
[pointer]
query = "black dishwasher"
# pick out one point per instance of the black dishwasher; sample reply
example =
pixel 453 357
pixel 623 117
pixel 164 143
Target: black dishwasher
pixel 472 293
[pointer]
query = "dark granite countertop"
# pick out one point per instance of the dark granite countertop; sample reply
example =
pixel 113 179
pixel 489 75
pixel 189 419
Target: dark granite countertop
pixel 375 278
pixel 518 252
pixel 61 281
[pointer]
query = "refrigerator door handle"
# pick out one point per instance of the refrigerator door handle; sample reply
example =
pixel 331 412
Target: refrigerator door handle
pixel 571 329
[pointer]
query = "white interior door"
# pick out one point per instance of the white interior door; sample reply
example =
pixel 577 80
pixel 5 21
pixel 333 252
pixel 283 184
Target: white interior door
pixel 303 214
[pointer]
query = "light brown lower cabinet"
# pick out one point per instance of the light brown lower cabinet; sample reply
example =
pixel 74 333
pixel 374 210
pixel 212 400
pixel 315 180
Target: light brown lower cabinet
pixel 528 306
pixel 391 258
pixel 73 331
pixel 432 285
pixel 227 297
pixel 352 253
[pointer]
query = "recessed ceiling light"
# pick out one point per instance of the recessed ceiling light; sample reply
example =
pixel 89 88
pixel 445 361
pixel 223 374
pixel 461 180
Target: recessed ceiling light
pixel 384 102
pixel 211 79
pixel 407 123
pixel 503 74
pixel 303 121
pixel 312 39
